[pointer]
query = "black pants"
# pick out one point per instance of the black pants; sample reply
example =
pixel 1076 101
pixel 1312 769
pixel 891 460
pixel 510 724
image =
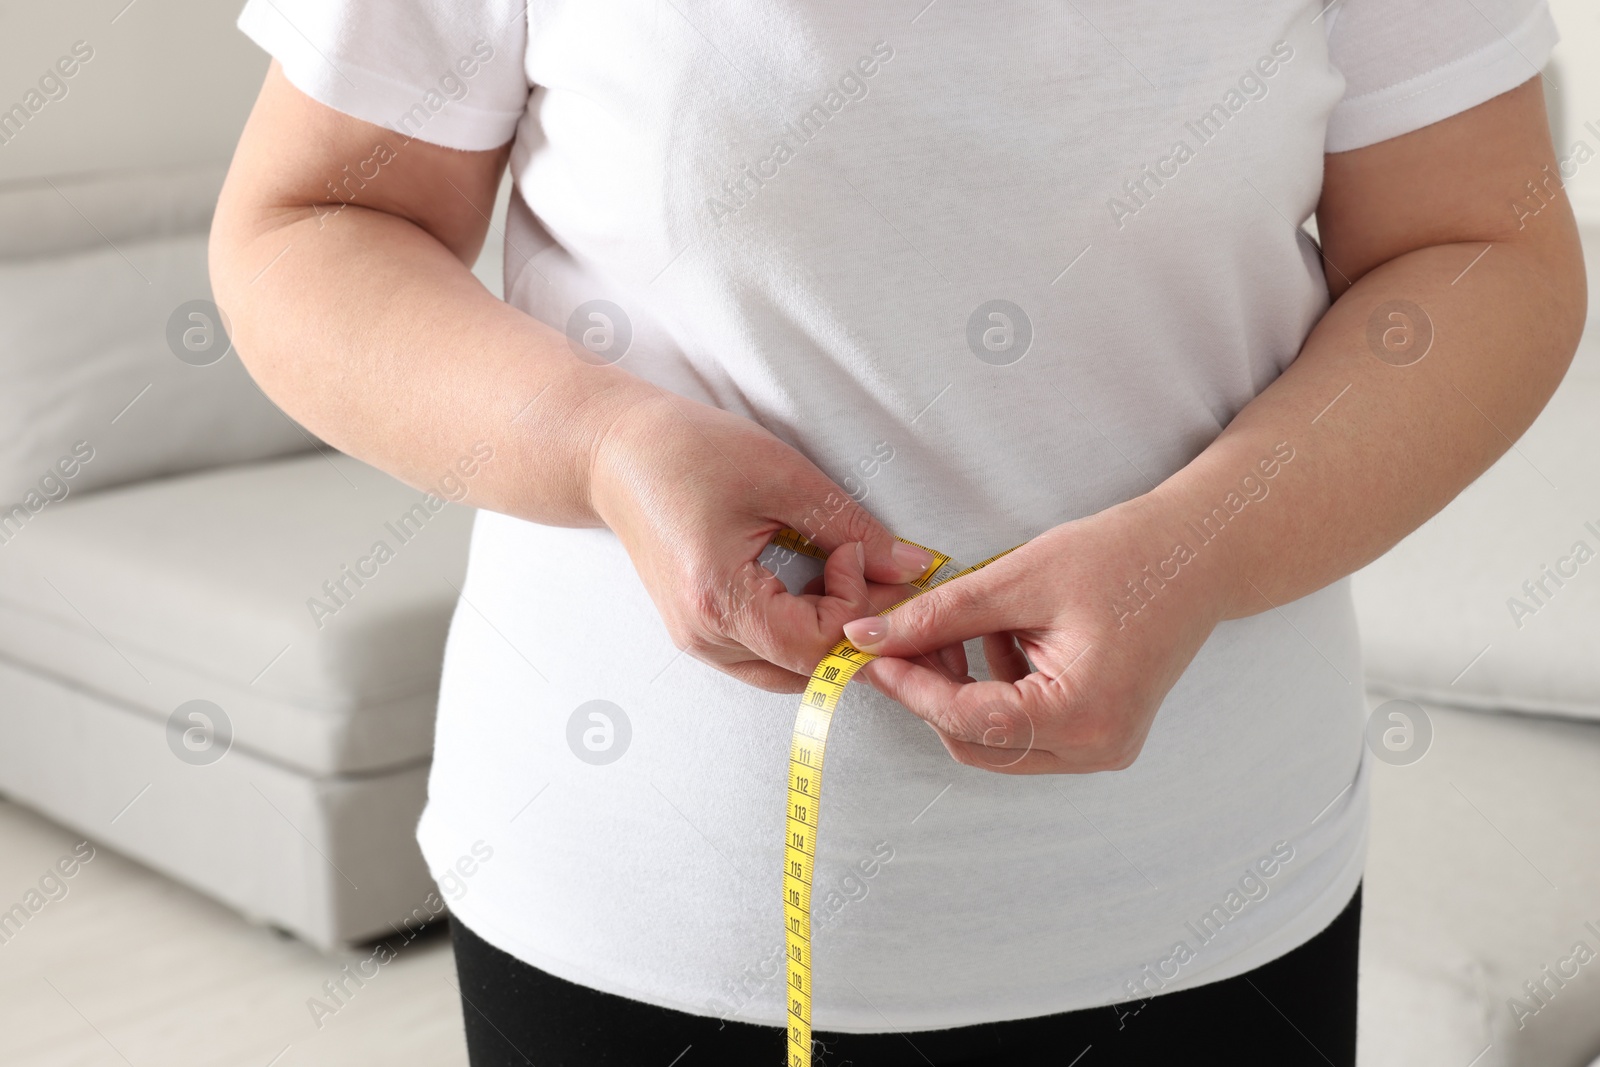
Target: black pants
pixel 1297 1009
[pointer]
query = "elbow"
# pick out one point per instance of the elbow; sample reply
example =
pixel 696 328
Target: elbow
pixel 246 242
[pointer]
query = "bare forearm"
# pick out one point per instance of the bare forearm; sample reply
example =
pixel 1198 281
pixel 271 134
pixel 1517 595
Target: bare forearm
pixel 1377 447
pixel 378 338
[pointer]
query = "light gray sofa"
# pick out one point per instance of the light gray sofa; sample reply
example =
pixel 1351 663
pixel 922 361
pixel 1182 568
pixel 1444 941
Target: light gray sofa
pixel 1484 866
pixel 167 535
pixel 177 563
pixel 119 608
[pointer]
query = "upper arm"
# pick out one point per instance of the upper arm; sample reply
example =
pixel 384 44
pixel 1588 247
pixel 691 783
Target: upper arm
pixel 1485 175
pixel 298 157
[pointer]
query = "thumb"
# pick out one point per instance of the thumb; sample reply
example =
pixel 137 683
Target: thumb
pixel 838 520
pixel 958 610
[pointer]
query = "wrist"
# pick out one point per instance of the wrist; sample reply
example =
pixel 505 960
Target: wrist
pixel 622 416
pixel 1234 503
pixel 1187 553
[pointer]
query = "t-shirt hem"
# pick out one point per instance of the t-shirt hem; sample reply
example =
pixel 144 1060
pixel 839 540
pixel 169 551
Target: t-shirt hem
pixel 379 99
pixel 1329 903
pixel 494 933
pixel 1327 907
pixel 1435 95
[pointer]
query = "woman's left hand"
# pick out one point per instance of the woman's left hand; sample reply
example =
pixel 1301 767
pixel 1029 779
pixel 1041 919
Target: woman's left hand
pixel 1103 656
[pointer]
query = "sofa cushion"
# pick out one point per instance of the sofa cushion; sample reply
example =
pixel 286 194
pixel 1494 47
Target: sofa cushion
pixel 1495 602
pixel 93 391
pixel 1480 882
pixel 308 598
pixel 333 859
pixel 42 217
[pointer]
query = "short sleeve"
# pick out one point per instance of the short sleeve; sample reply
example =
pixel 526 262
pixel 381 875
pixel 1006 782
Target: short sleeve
pixel 450 72
pixel 1410 63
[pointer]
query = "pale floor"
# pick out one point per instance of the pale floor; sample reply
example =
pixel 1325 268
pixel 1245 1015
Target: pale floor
pixel 130 968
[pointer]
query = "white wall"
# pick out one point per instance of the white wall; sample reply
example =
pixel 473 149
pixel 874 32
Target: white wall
pixel 1578 86
pixel 170 82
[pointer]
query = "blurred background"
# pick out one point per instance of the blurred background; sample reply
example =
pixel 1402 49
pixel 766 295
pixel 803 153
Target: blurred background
pixel 216 702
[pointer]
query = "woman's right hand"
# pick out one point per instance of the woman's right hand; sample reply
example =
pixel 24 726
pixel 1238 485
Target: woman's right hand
pixel 375 335
pixel 695 494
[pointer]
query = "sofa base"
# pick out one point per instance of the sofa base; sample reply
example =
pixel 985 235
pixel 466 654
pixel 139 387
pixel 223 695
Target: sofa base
pixel 333 860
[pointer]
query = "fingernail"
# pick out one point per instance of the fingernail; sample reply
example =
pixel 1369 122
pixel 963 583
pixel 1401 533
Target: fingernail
pixel 861 555
pixel 865 633
pixel 911 557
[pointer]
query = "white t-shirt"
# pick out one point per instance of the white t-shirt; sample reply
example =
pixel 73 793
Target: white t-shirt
pixel 805 212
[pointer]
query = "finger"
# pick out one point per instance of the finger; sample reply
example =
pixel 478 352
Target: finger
pixel 986 601
pixel 849 594
pixel 842 592
pixel 794 632
pixel 742 664
pixel 1003 760
pixel 990 712
pixel 994 725
pixel 991 724
pixel 823 513
pixel 948 665
pixel 750 583
pixel 955 658
pixel 1005 658
pixel 954 672
pixel 844 580
pixel 763 675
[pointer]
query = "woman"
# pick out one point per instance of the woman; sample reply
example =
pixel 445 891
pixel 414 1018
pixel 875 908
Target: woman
pixel 978 276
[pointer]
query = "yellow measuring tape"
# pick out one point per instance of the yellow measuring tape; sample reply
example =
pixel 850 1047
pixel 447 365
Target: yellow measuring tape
pixel 805 787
